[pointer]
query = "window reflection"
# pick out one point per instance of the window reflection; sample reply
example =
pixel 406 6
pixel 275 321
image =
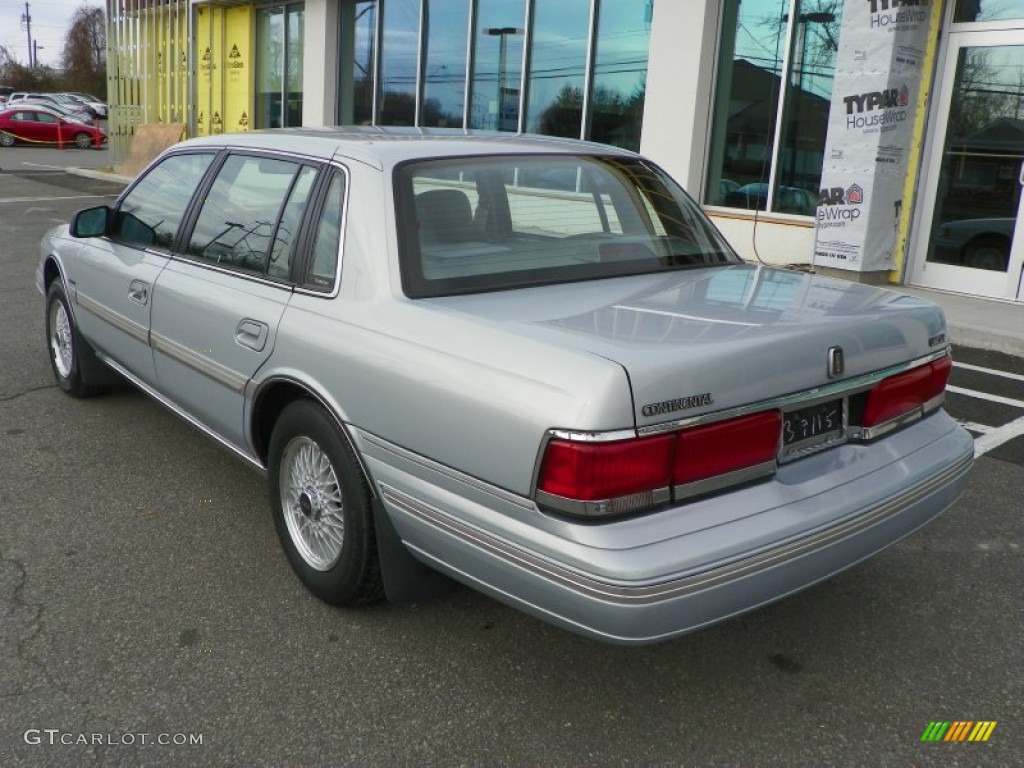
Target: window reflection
pixel 269 67
pixel 979 191
pixel 399 54
pixel 558 59
pixel 808 98
pixel 444 76
pixel 497 66
pixel 427 44
pixel 989 10
pixel 753 85
pixel 279 35
pixel 363 51
pixel 620 72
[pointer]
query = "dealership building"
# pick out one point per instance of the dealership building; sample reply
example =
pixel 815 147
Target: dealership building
pixel 879 139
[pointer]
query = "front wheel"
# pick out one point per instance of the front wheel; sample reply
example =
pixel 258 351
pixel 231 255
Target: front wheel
pixel 6 139
pixel 73 361
pixel 83 140
pixel 322 507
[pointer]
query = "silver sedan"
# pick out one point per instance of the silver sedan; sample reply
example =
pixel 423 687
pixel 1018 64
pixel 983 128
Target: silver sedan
pixel 532 365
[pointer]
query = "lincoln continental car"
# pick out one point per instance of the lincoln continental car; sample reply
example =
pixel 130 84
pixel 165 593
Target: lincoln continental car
pixel 531 365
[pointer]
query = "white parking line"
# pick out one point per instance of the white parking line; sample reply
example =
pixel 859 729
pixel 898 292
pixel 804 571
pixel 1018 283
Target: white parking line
pixel 990 371
pixel 44 199
pixel 997 437
pixel 986 396
pixel 972 426
pixel 48 167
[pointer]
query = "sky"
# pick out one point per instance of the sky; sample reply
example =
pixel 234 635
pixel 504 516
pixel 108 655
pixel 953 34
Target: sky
pixel 50 21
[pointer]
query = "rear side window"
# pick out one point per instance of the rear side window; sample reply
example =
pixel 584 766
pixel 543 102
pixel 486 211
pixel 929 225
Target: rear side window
pixel 150 214
pixel 238 222
pixel 327 237
pixel 491 223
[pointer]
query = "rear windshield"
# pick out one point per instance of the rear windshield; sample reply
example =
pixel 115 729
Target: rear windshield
pixel 474 224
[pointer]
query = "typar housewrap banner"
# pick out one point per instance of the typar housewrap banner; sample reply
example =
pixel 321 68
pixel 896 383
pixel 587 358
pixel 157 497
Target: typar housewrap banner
pixel 872 118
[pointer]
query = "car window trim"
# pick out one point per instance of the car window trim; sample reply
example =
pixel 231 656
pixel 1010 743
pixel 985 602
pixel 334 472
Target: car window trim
pixel 415 286
pixel 116 207
pixel 202 191
pixel 305 260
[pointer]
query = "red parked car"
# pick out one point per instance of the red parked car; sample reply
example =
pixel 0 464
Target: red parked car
pixel 38 125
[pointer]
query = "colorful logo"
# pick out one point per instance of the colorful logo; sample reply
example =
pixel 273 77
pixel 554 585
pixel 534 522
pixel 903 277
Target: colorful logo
pixel 855 195
pixel 959 730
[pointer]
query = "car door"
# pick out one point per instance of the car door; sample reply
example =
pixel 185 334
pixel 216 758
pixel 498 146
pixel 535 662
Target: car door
pixel 27 126
pixel 217 306
pixel 112 278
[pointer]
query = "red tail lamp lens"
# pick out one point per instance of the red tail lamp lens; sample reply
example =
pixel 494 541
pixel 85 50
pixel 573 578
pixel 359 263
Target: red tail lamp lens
pixel 728 446
pixel 595 471
pixel 905 392
pixel 941 369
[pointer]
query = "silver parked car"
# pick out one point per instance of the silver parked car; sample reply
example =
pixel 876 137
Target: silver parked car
pixel 573 397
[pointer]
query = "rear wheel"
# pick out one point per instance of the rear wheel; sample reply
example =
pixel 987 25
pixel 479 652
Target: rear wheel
pixel 322 507
pixel 83 140
pixel 6 139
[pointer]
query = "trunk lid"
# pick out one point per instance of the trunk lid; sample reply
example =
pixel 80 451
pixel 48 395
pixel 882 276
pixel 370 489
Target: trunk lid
pixel 711 339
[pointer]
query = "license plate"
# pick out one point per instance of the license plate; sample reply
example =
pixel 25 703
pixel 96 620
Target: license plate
pixel 812 428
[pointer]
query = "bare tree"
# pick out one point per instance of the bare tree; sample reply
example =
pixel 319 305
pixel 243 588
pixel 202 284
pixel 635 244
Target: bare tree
pixel 84 58
pixel 22 77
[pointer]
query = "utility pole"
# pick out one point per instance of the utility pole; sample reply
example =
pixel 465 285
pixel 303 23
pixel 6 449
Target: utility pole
pixel 26 20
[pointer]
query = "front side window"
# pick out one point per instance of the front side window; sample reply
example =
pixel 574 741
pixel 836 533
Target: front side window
pixel 238 221
pixel 481 224
pixel 759 161
pixel 150 214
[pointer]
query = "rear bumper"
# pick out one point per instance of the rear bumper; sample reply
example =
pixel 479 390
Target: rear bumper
pixel 661 606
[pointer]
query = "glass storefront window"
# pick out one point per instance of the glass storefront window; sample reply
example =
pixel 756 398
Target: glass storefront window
pixel 363 52
pixel 296 34
pixel 620 72
pixel 279 36
pixel 269 67
pixel 444 76
pixel 408 62
pixel 399 54
pixel 988 10
pixel 497 65
pixel 754 82
pixel 812 67
pixel 558 62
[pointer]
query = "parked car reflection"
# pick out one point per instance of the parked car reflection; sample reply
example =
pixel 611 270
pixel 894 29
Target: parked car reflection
pixel 976 243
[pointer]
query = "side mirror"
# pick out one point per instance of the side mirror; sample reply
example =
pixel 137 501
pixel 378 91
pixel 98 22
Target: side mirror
pixel 91 222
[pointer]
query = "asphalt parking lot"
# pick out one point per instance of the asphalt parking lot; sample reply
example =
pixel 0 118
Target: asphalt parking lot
pixel 144 598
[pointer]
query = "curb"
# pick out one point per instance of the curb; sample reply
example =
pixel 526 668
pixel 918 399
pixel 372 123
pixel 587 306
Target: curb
pixel 93 173
pixel 978 337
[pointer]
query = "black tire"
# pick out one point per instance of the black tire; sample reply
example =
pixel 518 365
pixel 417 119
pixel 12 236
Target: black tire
pixel 83 140
pixel 345 574
pixel 991 253
pixel 6 139
pixel 75 366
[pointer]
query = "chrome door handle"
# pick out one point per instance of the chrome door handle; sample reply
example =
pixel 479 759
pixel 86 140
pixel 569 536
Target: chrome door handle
pixel 252 334
pixel 138 291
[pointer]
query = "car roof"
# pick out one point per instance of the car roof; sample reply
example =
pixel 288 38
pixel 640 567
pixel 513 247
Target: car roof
pixel 385 147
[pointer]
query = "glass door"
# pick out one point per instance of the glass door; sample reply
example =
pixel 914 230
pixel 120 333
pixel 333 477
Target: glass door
pixel 969 236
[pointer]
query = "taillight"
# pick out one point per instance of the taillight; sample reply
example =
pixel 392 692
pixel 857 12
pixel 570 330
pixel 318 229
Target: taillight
pixel 600 471
pixel 621 476
pixel 727 446
pixel 907 393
